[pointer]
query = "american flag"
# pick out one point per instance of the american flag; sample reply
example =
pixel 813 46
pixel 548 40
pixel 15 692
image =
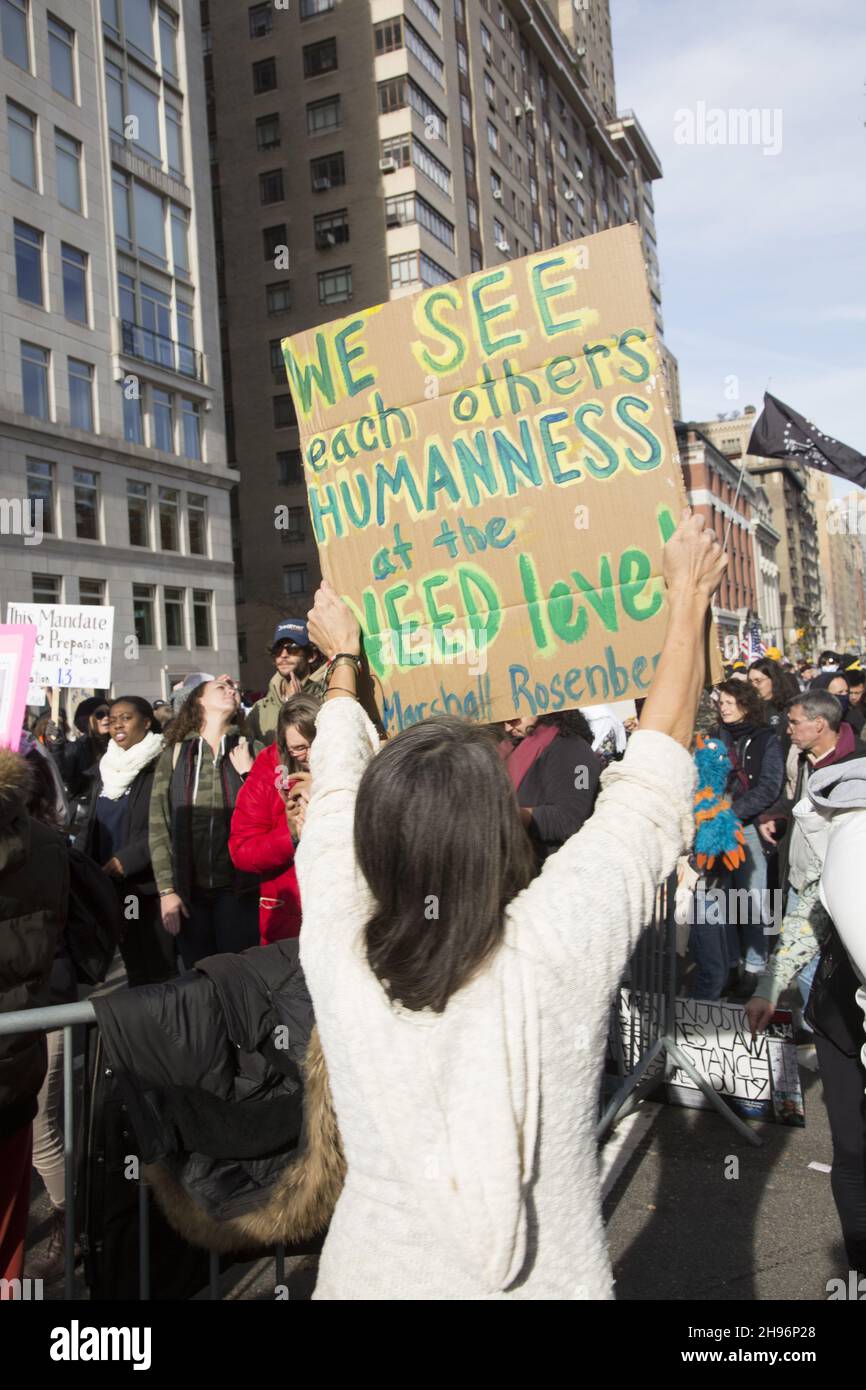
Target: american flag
pixel 752 645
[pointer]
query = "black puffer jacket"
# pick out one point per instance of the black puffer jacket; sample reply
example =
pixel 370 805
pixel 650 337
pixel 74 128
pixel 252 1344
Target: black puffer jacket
pixel 211 1068
pixel 34 886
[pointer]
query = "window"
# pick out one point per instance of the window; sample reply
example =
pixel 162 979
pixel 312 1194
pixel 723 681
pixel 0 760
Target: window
pixel 562 147
pixel 34 380
pixel 412 267
pixel 61 42
pixel 411 207
pixel 138 512
pixel 162 403
pixel 168 43
pixel 13 25
pixel 169 511
pixel 468 163
pixel 120 205
pixel 289 468
pixel 428 59
pixel 133 430
pixel 472 210
pixel 191 422
pixel 485 40
pixel 278 298
pixel 533 188
pixel 144 106
pixel 116 100
pixel 40 488
pixel 430 11
pixel 310 8
pixel 196 523
pixel 201 623
pixel 284 413
pixel 331 229
pixel 261 21
pixel 186 359
pixel 323 115
pixel 180 239
pixel 174 139
pixel 265 75
pixel 172 607
pixel 489 89
pixel 86 490
pixel 465 110
pixel 569 229
pixel 110 18
pixel 327 172
pixel 28 263
pixel 268 132
pixel 320 58
pixel 495 184
pixel 430 166
pixel 498 231
pixel 138 26
pixel 46 588
pixel 294 530
pixel 22 144
pixel 142 614
pixel 493 137
pixel 335 286
pixel 462 57
pixel 295 580
pixel 392 95
pixel 273 238
pixel 475 261
pixel 91 591
pixel 536 233
pixel 271 187
pixel 149 223
pixel 460 11
pixel 80 394
pixel 388 37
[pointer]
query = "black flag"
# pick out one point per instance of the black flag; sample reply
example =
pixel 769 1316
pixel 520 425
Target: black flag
pixel 781 433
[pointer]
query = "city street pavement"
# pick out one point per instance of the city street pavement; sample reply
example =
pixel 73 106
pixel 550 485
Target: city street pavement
pixel 679 1229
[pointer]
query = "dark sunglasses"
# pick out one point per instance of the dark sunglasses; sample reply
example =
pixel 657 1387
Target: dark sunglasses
pixel 290 647
pixel 101 713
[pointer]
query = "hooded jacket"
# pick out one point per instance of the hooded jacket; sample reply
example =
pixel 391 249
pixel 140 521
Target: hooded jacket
pixel 225 1088
pixel 34 886
pixel 262 718
pixel 261 843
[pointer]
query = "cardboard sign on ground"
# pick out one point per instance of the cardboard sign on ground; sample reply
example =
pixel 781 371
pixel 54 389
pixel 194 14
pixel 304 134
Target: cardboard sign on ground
pixel 491 471
pixel 73 645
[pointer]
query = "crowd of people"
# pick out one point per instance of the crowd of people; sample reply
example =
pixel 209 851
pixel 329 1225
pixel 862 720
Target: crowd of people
pixel 451 888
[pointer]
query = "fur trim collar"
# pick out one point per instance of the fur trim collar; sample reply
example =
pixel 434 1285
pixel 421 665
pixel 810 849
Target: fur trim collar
pixel 15 784
pixel 299 1204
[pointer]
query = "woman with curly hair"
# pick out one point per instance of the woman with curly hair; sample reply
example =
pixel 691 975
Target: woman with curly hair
pixel 554 772
pixel 204 901
pixel 776 687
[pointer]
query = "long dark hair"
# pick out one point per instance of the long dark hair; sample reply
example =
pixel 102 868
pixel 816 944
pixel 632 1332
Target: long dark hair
pixel 190 717
pixel 785 686
pixel 439 839
pixel 298 712
pixel 570 723
pixel 753 707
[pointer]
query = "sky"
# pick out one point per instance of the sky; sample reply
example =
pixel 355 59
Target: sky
pixel 762 254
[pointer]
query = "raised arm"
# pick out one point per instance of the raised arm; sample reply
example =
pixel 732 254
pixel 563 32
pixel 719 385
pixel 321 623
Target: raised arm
pixel 596 894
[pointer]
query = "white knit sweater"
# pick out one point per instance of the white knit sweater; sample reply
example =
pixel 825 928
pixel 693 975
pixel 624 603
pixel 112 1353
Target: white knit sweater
pixel 469 1135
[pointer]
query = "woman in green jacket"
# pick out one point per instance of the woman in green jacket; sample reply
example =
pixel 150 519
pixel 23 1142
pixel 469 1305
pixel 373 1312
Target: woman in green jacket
pixel 204 901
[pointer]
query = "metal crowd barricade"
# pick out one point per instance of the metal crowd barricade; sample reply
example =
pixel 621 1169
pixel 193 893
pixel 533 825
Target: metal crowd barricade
pixel 643 1024
pixel 68 1017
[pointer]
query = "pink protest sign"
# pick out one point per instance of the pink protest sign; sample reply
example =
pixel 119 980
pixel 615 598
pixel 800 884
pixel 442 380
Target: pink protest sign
pixel 17 643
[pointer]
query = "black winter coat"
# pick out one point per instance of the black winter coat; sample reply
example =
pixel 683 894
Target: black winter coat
pixel 559 807
pixel 135 852
pixel 210 1069
pixel 759 754
pixel 34 885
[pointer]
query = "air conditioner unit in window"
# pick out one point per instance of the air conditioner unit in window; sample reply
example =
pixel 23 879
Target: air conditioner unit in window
pixel 388 166
pixel 319 185
pixel 527 104
pixel 568 195
pixel 393 219
pixel 497 193
pixel 579 175
pixel 503 247
pixel 518 110
pixel 324 240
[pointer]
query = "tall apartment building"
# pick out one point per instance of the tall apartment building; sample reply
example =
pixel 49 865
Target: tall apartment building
pixel 735 506
pixel 111 409
pixel 362 150
pixel 785 483
pixel 840 556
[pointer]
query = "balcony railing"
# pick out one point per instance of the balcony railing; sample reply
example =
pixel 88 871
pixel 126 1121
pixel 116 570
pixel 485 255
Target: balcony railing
pixel 152 347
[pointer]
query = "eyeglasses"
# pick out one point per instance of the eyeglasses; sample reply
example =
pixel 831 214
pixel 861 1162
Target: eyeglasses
pixel 289 647
pixel 100 714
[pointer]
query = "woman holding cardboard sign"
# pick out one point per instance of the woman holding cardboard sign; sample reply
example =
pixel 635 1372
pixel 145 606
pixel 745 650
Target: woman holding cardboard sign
pixel 444 977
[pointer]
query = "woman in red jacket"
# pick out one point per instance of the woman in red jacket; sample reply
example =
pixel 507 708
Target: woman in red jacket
pixel 264 830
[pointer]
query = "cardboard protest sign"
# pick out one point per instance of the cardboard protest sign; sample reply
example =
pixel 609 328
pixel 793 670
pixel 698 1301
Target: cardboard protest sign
pixel 758 1077
pixel 73 645
pixel 17 642
pixel 491 472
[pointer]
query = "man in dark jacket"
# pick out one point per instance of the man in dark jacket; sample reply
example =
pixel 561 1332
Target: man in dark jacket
pixel 34 884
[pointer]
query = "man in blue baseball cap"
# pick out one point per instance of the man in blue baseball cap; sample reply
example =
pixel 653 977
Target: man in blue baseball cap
pixel 291 650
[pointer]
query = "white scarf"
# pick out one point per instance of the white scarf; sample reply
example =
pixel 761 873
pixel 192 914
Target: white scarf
pixel 118 767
